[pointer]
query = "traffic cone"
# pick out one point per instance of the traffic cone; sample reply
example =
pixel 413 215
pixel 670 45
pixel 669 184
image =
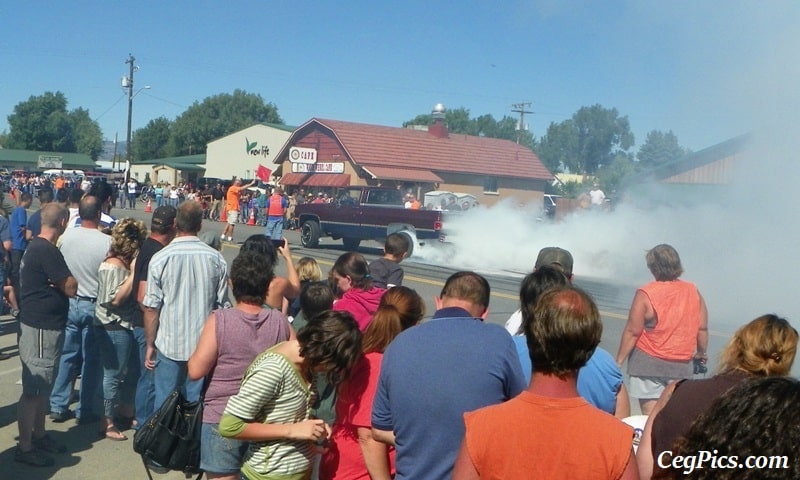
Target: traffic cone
pixel 149 207
pixel 252 219
pixel 224 216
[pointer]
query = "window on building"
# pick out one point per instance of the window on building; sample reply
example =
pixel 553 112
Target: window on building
pixel 490 185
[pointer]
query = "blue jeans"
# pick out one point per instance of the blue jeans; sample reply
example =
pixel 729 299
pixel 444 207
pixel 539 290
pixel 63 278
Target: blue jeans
pixel 170 374
pixel 80 351
pixel 118 355
pixel 274 227
pixel 159 200
pixel 145 388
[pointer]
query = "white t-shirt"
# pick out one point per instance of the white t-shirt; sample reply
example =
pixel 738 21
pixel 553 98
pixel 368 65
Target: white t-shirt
pixel 597 196
pixel 131 187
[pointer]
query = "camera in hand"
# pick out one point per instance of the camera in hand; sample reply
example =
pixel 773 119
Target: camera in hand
pixel 699 365
pixel 278 242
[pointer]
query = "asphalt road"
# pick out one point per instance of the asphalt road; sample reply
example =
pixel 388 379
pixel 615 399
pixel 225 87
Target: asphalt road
pixel 91 457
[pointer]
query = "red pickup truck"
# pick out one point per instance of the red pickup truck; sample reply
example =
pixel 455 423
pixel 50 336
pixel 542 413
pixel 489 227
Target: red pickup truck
pixel 366 213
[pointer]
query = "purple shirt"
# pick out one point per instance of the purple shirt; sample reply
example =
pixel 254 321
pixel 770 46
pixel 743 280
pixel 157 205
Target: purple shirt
pixel 240 338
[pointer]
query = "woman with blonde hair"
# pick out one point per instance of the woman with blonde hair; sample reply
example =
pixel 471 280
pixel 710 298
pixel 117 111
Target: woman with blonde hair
pixel 116 308
pixel 764 347
pixel 353 453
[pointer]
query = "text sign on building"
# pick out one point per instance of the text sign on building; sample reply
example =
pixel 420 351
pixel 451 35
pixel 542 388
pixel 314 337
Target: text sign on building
pixel 49 161
pixel 302 155
pixel 318 168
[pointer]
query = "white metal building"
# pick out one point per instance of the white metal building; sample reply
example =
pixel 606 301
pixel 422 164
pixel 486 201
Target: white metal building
pixel 240 153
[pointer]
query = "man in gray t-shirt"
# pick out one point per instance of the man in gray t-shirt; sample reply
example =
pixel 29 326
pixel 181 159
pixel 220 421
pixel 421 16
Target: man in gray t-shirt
pixel 84 248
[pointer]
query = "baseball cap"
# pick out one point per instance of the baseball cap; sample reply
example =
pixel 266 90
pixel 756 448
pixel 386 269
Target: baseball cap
pixel 164 216
pixel 557 257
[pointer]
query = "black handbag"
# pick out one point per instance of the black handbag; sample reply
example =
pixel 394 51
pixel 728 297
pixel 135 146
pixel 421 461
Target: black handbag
pixel 171 436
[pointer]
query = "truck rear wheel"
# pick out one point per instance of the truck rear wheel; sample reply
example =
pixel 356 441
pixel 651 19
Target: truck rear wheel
pixel 309 234
pixel 410 239
pixel 351 244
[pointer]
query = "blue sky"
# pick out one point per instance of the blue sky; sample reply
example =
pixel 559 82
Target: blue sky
pixel 706 70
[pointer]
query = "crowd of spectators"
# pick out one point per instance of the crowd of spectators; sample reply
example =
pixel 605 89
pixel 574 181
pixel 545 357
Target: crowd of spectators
pixel 305 376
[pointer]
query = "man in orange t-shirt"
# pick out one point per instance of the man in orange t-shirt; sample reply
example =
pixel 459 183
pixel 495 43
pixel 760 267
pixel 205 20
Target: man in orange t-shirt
pixel 232 207
pixel 549 429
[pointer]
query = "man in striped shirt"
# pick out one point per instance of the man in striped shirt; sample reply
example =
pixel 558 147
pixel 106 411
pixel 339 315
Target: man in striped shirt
pixel 186 280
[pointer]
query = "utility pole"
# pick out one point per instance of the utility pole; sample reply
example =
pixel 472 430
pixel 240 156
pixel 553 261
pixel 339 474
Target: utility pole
pixel 520 108
pixel 128 82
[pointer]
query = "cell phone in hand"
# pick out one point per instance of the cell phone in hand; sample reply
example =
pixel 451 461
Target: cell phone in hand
pixel 278 242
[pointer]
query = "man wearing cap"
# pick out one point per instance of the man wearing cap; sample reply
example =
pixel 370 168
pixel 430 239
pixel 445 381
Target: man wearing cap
pixel 186 281
pixel 84 249
pixel 554 256
pixel 600 382
pixel 162 231
pixel 232 207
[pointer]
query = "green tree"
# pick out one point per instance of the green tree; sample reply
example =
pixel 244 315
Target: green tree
pixel 43 123
pixel 593 137
pixel 612 176
pixel 660 148
pixel 216 117
pixel 558 148
pixel 86 133
pixel 152 141
pixel 458 121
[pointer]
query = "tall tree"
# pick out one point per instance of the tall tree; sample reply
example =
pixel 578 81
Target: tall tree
pixel 43 123
pixel 593 137
pixel 660 148
pixel 558 148
pixel 216 117
pixel 152 141
pixel 86 133
pixel 602 134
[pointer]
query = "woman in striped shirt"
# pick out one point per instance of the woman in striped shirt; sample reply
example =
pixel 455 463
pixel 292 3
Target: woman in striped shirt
pixel 272 408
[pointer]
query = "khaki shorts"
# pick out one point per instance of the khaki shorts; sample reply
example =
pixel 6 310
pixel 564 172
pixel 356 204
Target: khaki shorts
pixel 40 353
pixel 233 217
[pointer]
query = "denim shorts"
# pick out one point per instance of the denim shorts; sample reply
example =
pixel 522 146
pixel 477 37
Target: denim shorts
pixel 219 454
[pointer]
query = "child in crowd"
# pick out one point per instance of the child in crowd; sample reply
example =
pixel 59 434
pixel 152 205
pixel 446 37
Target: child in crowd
pixel 351 275
pixel 307 271
pixel 386 271
pixel 272 408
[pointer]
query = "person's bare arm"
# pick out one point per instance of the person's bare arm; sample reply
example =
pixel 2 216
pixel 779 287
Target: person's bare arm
pixel 69 286
pixel 205 355
pixel 464 469
pixel 702 332
pixel 623 406
pixel 151 323
pixel 634 327
pixel 376 455
pixel 383 436
pixel 631 470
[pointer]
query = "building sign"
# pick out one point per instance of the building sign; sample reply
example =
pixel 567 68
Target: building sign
pixel 253 149
pixel 318 167
pixel 49 161
pixel 302 155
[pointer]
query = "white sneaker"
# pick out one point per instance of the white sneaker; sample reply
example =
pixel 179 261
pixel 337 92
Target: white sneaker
pixel 230 239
